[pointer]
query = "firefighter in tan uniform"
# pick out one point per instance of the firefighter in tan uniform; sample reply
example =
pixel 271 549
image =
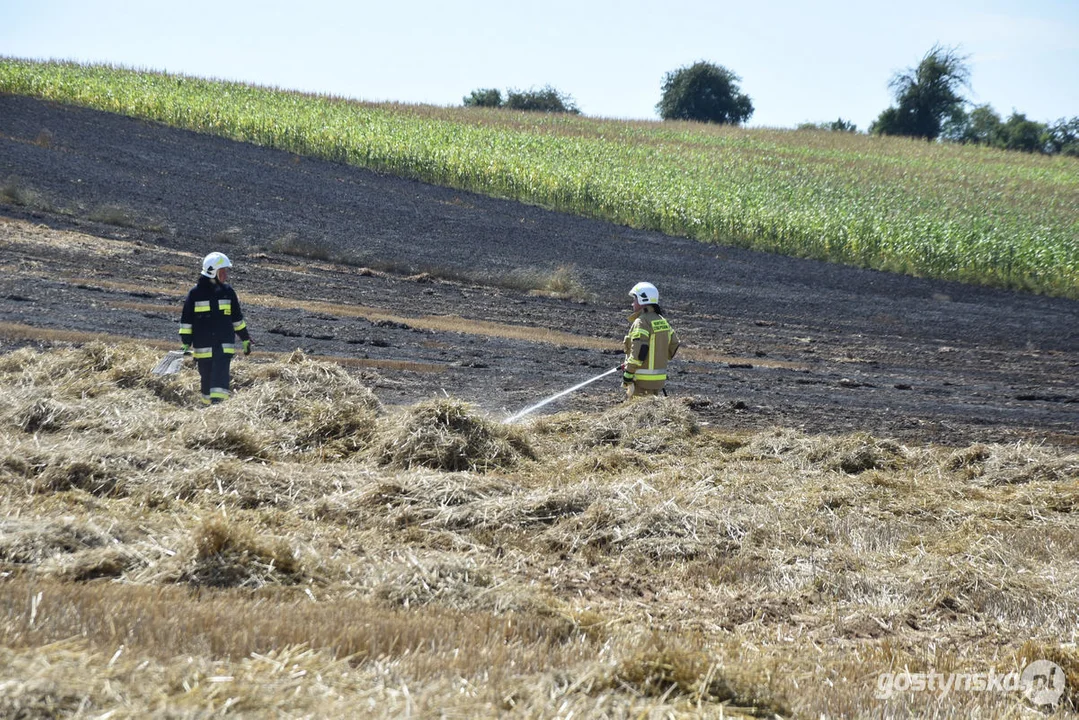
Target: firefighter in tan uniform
pixel 650 344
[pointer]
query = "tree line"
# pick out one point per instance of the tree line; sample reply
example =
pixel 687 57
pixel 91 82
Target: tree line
pixel 929 104
pixel 547 99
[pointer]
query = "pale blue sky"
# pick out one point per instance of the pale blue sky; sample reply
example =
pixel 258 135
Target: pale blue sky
pixel 808 61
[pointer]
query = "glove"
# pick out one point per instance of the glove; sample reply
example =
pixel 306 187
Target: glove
pixel 186 348
pixel 627 377
pixel 247 347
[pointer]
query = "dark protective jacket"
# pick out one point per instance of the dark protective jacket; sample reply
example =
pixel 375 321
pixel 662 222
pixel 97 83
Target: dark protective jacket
pixel 650 344
pixel 212 317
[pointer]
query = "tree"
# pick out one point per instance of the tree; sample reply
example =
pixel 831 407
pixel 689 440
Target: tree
pixel 704 92
pixel 1025 135
pixel 981 126
pixel 926 95
pixel 841 125
pixel 887 123
pixel 1064 137
pixel 484 97
pixel 986 126
pixel 546 100
pixel 956 128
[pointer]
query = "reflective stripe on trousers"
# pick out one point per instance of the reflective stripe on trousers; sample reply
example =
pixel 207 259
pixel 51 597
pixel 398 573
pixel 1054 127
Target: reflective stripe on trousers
pixel 214 375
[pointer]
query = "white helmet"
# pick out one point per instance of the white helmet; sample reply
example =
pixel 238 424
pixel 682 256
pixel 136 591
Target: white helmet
pixel 214 262
pixel 645 293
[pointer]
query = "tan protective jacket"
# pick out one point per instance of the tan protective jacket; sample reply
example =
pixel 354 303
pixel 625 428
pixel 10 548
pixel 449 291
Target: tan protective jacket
pixel 649 346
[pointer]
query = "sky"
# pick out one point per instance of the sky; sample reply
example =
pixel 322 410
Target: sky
pixel 799 61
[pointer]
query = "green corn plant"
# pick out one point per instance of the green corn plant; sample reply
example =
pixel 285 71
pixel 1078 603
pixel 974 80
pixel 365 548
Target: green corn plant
pixel 969 214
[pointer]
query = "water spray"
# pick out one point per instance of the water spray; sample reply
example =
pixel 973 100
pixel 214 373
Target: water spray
pixel 541 403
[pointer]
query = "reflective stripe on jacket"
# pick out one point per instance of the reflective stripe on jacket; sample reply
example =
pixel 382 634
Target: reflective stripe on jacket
pixel 649 346
pixel 212 317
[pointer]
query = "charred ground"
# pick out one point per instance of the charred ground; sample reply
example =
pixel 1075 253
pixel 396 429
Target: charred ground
pixel 103 219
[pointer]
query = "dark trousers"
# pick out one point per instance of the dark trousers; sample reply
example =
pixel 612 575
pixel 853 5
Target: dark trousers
pixel 214 372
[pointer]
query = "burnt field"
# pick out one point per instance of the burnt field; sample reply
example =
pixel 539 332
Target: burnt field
pixel 103 220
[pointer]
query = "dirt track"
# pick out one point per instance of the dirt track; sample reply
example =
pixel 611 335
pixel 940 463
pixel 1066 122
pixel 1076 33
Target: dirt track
pixel 103 220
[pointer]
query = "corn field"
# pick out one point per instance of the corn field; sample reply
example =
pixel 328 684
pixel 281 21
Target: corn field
pixel 969 214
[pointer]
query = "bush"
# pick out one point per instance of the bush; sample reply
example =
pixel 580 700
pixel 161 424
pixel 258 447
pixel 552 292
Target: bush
pixel 839 125
pixel 484 97
pixel 546 100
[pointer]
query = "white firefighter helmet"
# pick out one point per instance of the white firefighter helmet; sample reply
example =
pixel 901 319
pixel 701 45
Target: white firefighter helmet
pixel 645 293
pixel 214 262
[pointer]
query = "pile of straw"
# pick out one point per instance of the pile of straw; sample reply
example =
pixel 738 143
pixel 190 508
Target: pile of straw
pixel 649 424
pixel 230 554
pixel 448 434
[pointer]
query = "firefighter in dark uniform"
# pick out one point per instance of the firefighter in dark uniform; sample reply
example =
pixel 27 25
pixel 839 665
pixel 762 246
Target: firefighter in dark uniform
pixel 649 345
pixel 209 324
